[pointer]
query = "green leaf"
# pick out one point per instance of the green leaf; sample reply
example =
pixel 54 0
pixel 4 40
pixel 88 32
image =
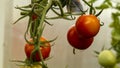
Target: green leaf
pixel 44 2
pixel 103 6
pixel 118 6
pixel 96 52
pixel 116 34
pixel 116 45
pixel 116 21
pixel 74 51
pixel 109 3
pixel 92 1
pixel 20 18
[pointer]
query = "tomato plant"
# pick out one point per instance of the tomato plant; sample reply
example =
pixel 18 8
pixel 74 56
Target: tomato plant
pixel 87 25
pixel 76 40
pixel 107 58
pixel 80 36
pixel 45 50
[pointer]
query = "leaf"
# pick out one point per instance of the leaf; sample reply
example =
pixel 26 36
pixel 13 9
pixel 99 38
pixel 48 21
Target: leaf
pixel 116 21
pixel 74 51
pixel 103 6
pixel 44 2
pixel 18 61
pixel 20 18
pixel 116 34
pixel 116 46
pixel 92 1
pixel 97 52
pixel 117 6
pixel 35 1
pixel 109 3
pixel 48 23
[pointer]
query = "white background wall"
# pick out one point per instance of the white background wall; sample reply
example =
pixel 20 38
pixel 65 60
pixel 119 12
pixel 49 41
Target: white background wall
pixel 61 51
pixel 2 12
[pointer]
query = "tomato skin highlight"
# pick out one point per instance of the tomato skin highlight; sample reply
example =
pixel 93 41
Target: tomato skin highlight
pixel 45 50
pixel 87 25
pixel 76 41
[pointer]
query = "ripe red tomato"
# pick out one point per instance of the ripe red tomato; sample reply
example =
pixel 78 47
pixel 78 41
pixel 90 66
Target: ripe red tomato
pixel 45 50
pixel 77 41
pixel 87 25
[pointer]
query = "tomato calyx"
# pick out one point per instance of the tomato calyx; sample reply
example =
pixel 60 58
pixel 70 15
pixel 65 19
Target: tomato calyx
pixel 26 64
pixel 92 9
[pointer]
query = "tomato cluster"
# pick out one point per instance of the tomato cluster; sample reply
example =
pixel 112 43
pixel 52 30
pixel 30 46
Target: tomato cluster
pixel 81 35
pixel 45 50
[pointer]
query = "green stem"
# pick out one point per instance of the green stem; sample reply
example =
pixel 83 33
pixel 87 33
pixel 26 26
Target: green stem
pixel 99 13
pixel 43 16
pixel 22 9
pixel 48 23
pixel 41 57
pixel 41 27
pixel 92 8
pixel 26 32
pixel 55 12
pixel 90 12
pixel 60 7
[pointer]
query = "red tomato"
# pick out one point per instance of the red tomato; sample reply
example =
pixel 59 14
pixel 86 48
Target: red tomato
pixel 87 25
pixel 45 50
pixel 77 41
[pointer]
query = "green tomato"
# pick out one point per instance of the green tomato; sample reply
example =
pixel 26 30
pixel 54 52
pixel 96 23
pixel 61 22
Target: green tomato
pixel 107 58
pixel 37 66
pixel 33 66
pixel 25 66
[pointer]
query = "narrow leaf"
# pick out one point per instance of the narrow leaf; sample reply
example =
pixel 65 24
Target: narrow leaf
pixel 20 18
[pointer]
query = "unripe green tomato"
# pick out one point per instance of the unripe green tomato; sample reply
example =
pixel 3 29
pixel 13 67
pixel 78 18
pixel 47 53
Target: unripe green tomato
pixel 25 66
pixel 33 66
pixel 107 58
